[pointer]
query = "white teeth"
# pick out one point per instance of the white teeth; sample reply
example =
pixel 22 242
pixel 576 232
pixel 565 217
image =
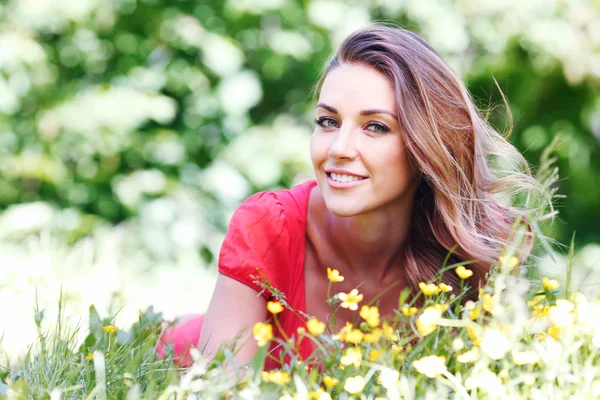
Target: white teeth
pixel 344 178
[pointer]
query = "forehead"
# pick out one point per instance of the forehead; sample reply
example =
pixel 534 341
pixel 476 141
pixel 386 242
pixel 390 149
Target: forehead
pixel 356 87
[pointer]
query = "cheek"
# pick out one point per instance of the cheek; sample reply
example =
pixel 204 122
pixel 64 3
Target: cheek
pixel 318 149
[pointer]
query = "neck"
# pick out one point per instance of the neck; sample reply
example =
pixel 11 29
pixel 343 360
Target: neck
pixel 371 244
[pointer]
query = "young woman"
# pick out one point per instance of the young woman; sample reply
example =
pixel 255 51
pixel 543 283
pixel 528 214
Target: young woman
pixel 401 159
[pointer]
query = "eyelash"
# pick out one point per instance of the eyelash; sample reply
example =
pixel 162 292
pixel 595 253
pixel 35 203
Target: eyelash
pixel 384 129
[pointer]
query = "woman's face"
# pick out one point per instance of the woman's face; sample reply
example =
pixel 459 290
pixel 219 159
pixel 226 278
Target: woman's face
pixel 357 147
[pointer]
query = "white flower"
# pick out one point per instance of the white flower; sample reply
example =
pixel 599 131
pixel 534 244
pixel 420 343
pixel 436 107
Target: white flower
pixel 388 377
pixel 495 344
pixel 431 366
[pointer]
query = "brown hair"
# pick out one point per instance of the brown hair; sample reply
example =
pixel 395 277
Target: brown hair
pixel 449 144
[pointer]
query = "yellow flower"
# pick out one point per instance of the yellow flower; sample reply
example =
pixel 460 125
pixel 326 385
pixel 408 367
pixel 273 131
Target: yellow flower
pixel 474 335
pixel 429 289
pixel 279 377
pixel 371 315
pixel 554 332
pixel 445 288
pixel 409 312
pixel 373 355
pixel 110 328
pixel 431 366
pixel 428 320
pixel 262 333
pixel 334 275
pixel 315 327
pixel 511 263
pixel 469 356
pixel 90 356
pixel 319 394
pixel 463 273
pixel 374 336
pixel 350 300
pixel 352 356
pixel 535 300
pixel 488 302
pixel 524 357
pixel 274 307
pixel 354 336
pixel 354 384
pixel 550 284
pixel 330 381
pixel 343 332
pixel 388 332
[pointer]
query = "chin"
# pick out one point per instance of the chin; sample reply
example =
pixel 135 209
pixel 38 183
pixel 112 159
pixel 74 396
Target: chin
pixel 342 208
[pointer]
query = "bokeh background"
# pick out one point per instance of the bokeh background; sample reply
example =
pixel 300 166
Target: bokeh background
pixel 131 129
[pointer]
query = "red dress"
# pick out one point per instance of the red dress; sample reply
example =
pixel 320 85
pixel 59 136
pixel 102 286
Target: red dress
pixel 267 234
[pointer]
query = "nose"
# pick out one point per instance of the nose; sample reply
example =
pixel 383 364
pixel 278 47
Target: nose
pixel 343 146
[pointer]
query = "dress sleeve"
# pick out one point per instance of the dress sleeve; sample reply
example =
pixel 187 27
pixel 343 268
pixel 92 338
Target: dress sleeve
pixel 254 248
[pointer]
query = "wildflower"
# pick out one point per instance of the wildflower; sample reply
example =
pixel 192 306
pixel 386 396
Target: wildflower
pixel 409 312
pixel 428 320
pixel 110 328
pixel 431 366
pixel 488 302
pixel 330 381
pixel 352 356
pixel 319 394
pixel 315 327
pixel 90 356
pixel 350 300
pixel 495 344
pixel 334 275
pixel 469 356
pixel 373 355
pixel 388 377
pixel 561 314
pixel 274 307
pixel 535 300
pixel 429 289
pixel 486 379
pixel 388 332
pixel 279 377
pixel 262 333
pixel 511 263
pixel 371 315
pixel 445 288
pixel 540 311
pixel 343 332
pixel 524 357
pixel 354 384
pixel 354 336
pixel 374 336
pixel 462 272
pixel 550 284
pixel 528 379
pixel 474 335
pixel 458 344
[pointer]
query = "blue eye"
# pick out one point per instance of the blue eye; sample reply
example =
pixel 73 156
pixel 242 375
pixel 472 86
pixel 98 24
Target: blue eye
pixel 325 122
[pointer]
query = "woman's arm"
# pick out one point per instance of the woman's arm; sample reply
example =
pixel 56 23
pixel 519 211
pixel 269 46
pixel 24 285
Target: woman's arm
pixel 233 309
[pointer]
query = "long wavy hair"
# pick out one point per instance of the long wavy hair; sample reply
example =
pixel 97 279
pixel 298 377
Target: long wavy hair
pixel 451 146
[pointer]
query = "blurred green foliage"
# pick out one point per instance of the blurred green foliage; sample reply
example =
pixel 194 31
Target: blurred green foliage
pixel 110 109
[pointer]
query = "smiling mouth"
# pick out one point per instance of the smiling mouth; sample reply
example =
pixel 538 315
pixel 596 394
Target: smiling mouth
pixel 342 178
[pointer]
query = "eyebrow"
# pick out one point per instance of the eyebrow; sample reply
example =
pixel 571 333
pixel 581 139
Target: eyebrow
pixel 363 112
